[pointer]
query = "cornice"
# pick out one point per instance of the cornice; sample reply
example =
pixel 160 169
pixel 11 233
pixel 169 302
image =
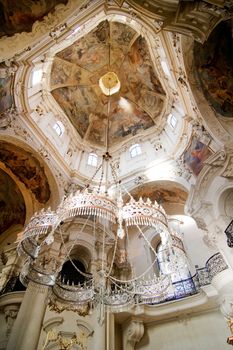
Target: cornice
pixel 21 43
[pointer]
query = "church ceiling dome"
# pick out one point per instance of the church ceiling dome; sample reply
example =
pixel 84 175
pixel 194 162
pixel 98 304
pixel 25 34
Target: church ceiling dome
pixel 111 47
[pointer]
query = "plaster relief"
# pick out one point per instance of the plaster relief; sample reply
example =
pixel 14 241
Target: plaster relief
pixel 27 168
pixel 19 16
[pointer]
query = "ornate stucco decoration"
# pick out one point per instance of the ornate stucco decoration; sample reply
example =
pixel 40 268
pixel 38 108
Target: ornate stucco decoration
pixel 132 333
pixel 195 18
pixel 10 46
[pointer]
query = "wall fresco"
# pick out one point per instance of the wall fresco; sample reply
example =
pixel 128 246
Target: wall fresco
pixel 19 16
pixel 162 192
pixel 12 206
pixel 27 168
pixel 214 68
pixel 75 78
pixel 195 155
pixel 6 98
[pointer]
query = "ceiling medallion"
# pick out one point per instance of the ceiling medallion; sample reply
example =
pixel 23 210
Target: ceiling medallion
pixel 109 83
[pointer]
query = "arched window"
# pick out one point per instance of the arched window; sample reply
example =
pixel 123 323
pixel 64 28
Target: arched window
pixel 36 76
pixel 172 121
pixel 135 150
pixel 92 159
pixel 59 128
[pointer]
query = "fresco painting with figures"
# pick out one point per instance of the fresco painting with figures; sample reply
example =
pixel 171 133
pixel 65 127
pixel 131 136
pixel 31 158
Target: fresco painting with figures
pixel 196 155
pixel 75 77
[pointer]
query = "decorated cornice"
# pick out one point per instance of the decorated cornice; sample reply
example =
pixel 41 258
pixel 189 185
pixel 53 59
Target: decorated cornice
pixel 22 43
pixel 193 18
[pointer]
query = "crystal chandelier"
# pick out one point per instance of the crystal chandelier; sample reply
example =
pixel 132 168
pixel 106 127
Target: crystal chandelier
pixel 111 212
pixel 102 287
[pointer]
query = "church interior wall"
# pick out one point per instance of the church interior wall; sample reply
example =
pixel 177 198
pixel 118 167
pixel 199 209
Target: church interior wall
pixel 184 164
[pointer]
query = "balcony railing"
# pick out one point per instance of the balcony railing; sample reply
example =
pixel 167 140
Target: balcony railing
pixel 203 276
pixel 180 289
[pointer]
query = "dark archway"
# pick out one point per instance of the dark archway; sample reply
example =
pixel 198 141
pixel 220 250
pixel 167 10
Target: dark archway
pixel 70 274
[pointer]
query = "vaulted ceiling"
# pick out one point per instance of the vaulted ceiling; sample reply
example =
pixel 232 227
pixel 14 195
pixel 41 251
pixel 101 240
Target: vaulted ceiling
pixel 110 47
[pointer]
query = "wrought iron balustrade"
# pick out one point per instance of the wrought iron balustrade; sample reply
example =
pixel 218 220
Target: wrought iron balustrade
pixel 216 264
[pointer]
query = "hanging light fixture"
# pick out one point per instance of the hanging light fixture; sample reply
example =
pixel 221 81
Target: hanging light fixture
pixel 94 203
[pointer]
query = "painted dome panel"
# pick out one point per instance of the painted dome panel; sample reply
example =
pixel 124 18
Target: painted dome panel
pixel 74 84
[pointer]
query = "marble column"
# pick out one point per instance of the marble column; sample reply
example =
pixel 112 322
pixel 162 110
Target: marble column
pixel 27 326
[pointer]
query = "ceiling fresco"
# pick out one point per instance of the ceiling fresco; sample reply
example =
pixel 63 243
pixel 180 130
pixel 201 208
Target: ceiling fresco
pixel 75 78
pixel 165 193
pixel 18 16
pixel 12 206
pixel 27 168
pixel 214 68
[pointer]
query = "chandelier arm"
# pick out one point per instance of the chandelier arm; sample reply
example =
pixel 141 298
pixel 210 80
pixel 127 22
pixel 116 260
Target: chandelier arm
pixel 128 245
pixel 114 174
pixel 93 176
pixel 103 246
pixel 149 244
pixel 147 270
pixel 101 179
pixel 94 239
pixel 113 257
pixel 108 123
pixel 128 193
pixel 68 252
pixel 109 97
pixel 75 241
pixel 136 277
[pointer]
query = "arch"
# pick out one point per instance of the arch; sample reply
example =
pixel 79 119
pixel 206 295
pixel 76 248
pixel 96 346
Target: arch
pixel 170 194
pixel 29 170
pixel 218 129
pixel 225 202
pixel 12 204
pixel 82 254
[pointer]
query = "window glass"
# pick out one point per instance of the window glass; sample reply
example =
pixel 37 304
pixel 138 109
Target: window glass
pixel 172 120
pixel 92 159
pixel 36 76
pixel 59 128
pixel 135 150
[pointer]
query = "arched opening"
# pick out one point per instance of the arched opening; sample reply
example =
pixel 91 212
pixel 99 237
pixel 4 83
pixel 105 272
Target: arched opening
pixel 72 272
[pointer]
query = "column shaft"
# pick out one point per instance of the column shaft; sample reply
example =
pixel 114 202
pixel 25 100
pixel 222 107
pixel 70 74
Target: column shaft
pixel 27 327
